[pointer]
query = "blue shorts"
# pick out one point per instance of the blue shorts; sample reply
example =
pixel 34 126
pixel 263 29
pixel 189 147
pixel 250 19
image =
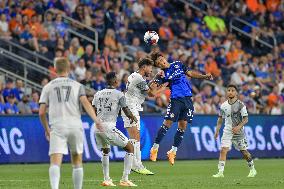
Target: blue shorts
pixel 180 109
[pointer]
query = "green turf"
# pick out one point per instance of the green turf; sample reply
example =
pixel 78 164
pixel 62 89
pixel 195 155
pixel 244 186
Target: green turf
pixel 183 175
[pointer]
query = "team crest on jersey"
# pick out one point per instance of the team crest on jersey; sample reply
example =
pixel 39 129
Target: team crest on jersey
pixel 172 115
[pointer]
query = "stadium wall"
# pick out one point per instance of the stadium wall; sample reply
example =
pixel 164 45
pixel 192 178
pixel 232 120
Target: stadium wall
pixel 22 139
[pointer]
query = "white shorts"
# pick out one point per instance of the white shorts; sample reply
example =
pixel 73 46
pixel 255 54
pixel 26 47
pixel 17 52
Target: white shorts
pixel 111 136
pixel 239 144
pixel 62 138
pixel 126 120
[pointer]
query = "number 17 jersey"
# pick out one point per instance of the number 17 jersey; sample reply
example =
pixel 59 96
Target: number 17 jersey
pixel 62 95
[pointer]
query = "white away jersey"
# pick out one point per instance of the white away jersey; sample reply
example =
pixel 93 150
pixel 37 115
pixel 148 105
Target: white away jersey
pixel 233 114
pixel 108 103
pixel 136 91
pixel 62 96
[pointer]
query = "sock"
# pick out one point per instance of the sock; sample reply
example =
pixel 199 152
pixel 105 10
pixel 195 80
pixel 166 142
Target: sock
pixel 138 153
pixel 156 146
pixel 77 177
pixel 174 149
pixel 105 165
pixel 135 164
pixel 250 164
pixel 127 165
pixel 161 133
pixel 54 176
pixel 178 137
pixel 221 166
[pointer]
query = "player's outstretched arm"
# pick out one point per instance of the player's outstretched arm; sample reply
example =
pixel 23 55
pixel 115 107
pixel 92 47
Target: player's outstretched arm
pixel 43 120
pixel 129 114
pixel 218 127
pixel 196 75
pixel 89 109
pixel 155 88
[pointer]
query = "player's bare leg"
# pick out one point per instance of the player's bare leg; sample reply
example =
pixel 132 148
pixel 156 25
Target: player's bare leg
pixel 222 161
pixel 182 125
pixel 105 164
pixel 247 156
pixel 137 166
pixel 160 135
pixel 78 173
pixel 128 159
pixel 54 170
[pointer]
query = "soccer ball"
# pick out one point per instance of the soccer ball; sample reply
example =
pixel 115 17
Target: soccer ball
pixel 151 37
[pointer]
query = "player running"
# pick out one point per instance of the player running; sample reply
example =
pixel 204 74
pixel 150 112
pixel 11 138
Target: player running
pixel 137 90
pixel 235 114
pixel 180 108
pixel 107 103
pixel 63 96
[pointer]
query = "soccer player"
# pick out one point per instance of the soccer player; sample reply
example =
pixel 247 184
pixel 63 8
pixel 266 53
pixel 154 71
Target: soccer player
pixel 235 114
pixel 62 96
pixel 180 108
pixel 137 90
pixel 107 103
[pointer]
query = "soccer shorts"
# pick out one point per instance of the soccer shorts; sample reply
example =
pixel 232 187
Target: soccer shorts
pixel 180 109
pixel 126 120
pixel 62 138
pixel 240 143
pixel 110 136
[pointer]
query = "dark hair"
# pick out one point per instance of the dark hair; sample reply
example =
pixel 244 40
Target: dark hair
pixel 110 77
pixel 232 86
pixel 154 56
pixel 145 61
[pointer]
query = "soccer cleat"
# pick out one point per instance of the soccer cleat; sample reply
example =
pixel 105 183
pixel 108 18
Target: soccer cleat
pixel 153 154
pixel 143 171
pixel 171 156
pixel 218 175
pixel 252 173
pixel 108 183
pixel 126 183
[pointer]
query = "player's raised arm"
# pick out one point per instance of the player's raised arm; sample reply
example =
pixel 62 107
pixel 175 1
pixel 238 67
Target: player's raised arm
pixel 196 75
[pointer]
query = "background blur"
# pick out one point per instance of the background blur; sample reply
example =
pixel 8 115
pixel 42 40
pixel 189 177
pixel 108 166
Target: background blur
pixel 238 41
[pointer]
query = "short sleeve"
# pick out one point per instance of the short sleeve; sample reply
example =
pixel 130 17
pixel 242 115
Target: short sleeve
pixel 244 111
pixel 143 86
pixel 122 102
pixel 94 101
pixel 221 113
pixel 44 96
pixel 82 91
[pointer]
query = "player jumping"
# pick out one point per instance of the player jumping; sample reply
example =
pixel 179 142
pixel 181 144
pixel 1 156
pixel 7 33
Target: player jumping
pixel 235 114
pixel 181 107
pixel 107 103
pixel 62 96
pixel 137 90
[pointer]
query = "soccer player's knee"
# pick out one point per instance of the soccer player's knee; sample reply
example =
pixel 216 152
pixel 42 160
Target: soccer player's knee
pixel 105 150
pixel 246 154
pixel 224 150
pixel 168 123
pixel 76 160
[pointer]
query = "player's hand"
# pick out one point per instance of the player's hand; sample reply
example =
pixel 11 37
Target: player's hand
pixel 47 134
pixel 209 76
pixel 216 135
pixel 236 130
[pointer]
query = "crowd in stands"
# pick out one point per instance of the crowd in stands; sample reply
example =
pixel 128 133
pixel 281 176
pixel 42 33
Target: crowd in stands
pixel 201 41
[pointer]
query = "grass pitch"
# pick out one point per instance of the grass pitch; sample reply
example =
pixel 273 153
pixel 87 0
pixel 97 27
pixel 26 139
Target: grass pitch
pixel 183 175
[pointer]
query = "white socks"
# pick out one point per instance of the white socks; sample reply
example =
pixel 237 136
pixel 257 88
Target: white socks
pixel 135 163
pixel 138 153
pixel 156 146
pixel 105 165
pixel 174 149
pixel 221 166
pixel 251 165
pixel 54 176
pixel 77 177
pixel 128 159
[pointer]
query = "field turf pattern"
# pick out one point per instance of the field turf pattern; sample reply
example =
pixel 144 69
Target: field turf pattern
pixel 183 175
